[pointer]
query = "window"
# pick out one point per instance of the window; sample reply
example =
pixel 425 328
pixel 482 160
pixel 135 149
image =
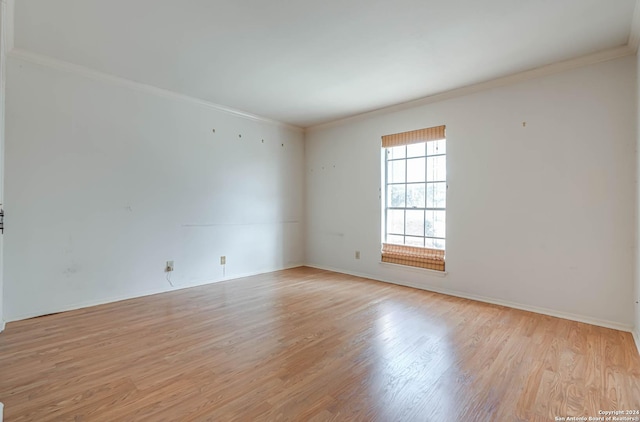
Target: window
pixel 415 196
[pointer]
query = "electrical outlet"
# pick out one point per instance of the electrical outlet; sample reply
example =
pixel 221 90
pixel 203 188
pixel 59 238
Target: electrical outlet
pixel 169 267
pixel 357 254
pixel 223 260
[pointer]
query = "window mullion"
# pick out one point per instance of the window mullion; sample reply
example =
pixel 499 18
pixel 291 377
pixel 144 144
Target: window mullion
pixel 406 188
pixel 426 196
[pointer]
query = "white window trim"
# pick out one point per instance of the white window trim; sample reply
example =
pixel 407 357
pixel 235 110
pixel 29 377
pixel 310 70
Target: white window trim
pixel 418 270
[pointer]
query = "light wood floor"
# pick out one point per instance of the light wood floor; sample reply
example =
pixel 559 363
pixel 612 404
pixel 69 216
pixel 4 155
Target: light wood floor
pixel 311 345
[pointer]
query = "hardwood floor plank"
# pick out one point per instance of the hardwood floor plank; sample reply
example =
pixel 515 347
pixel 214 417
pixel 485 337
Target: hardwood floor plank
pixel 308 344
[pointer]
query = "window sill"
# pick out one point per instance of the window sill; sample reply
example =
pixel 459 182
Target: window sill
pixel 415 269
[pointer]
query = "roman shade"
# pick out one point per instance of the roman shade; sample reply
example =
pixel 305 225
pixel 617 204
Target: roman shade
pixel 432 259
pixel 414 137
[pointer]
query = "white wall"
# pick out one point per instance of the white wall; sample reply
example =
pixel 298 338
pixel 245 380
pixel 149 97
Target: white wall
pixel 105 183
pixel 538 216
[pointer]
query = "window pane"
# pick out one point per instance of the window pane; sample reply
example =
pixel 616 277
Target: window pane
pixel 414 241
pixel 437 147
pixel 395 171
pixel 395 221
pixel 415 170
pixel 416 150
pixel 396 152
pixel 434 243
pixel 395 196
pixel 415 195
pixel 435 224
pixel 415 222
pixel 396 240
pixel 416 179
pixel 437 195
pixel 437 169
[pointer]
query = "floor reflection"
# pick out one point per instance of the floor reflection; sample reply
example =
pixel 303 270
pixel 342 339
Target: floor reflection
pixel 411 354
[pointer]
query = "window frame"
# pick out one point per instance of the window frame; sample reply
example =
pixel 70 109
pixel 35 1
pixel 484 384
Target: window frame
pixel 430 254
pixel 386 184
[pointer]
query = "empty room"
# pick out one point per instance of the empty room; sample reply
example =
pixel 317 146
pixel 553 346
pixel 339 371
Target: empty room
pixel 240 210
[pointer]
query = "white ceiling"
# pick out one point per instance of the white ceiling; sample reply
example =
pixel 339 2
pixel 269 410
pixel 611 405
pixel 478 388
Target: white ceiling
pixel 309 62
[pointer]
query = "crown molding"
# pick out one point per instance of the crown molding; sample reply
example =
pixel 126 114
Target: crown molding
pixel 46 61
pixel 634 33
pixel 601 56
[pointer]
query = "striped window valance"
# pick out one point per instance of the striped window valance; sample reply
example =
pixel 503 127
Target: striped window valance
pixel 432 259
pixel 414 137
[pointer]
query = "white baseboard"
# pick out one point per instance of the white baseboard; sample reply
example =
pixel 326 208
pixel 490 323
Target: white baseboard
pixel 2 325
pixel 538 310
pixel 1 411
pixel 636 337
pixel 90 303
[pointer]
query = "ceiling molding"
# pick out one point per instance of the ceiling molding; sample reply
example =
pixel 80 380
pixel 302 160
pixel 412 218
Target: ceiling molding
pixel 634 34
pixel 17 53
pixel 601 56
